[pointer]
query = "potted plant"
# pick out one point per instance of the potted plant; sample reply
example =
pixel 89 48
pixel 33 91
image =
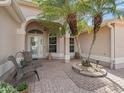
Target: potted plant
pixel 23 63
pixel 50 56
pixel 77 55
pixel 22 87
pixel 7 88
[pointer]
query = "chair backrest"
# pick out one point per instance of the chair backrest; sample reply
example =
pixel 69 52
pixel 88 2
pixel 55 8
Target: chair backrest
pixel 27 56
pixel 13 60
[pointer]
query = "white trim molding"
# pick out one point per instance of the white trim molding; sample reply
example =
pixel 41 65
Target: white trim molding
pixel 5 3
pixel 101 58
pixel 119 60
pixel 119 63
pixel 61 55
pixel 31 18
pixel 112 30
pixel 67 58
pixel 58 55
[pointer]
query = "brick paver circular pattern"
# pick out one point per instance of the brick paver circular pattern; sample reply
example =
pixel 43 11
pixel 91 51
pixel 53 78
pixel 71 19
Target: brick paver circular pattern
pixel 58 77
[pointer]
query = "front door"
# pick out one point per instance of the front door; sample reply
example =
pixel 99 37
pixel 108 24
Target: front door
pixel 35 45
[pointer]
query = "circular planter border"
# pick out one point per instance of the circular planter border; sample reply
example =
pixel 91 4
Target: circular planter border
pixel 99 73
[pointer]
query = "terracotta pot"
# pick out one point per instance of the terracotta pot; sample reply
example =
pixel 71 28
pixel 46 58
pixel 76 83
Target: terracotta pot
pixel 24 91
pixel 77 55
pixel 49 56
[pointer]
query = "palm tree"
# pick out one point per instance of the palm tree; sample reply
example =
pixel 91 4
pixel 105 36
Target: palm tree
pixel 96 9
pixel 67 12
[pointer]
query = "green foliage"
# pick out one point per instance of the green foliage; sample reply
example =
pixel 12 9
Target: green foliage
pixel 82 25
pixel 22 86
pixel 54 28
pixel 94 7
pixel 86 63
pixel 23 63
pixel 119 13
pixel 58 10
pixel 6 88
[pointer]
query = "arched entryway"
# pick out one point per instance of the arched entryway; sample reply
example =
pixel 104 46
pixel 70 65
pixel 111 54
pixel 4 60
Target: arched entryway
pixel 35 43
pixel 41 43
pixel 36 38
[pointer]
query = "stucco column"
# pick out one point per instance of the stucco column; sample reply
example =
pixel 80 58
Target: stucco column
pixel 67 47
pixel 60 47
pixel 112 66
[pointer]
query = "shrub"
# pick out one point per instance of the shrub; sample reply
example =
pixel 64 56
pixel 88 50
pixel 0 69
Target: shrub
pixel 7 88
pixel 21 86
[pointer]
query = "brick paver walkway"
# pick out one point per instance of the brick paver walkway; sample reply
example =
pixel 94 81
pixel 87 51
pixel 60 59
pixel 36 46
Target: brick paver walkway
pixel 58 77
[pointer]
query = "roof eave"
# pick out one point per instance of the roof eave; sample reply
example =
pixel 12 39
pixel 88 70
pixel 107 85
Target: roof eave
pixel 14 10
pixel 5 3
pixel 27 3
pixel 18 11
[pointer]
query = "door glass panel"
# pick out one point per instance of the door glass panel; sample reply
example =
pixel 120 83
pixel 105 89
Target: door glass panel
pixel 40 47
pixel 52 44
pixel 71 44
pixel 41 41
pixel 33 46
pixel 36 46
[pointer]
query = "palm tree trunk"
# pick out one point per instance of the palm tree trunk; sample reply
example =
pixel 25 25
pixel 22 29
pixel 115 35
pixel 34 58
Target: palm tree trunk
pixel 97 19
pixel 92 44
pixel 78 46
pixel 72 21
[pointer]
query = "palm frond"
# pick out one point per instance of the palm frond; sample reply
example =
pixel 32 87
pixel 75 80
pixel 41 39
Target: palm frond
pixel 54 28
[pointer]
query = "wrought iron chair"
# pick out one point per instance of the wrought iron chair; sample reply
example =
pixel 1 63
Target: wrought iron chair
pixel 22 70
pixel 28 57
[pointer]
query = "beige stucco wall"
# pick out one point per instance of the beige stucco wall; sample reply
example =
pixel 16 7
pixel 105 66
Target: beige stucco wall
pixel 101 46
pixel 60 46
pixel 20 42
pixel 29 11
pixel 119 35
pixel 119 45
pixel 8 28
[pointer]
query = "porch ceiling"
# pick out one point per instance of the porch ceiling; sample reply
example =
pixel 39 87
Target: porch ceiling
pixel 43 25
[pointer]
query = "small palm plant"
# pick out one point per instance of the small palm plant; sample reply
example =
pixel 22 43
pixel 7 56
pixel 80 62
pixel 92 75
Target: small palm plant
pixel 66 12
pixel 96 9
